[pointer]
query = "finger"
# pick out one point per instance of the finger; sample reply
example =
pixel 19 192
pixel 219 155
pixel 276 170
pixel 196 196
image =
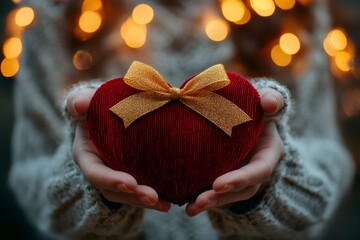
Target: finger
pixel 204 200
pixel 258 170
pixel 78 102
pixel 212 199
pixel 235 196
pixel 96 172
pixel 102 177
pixel 146 194
pixel 133 200
pixel 271 100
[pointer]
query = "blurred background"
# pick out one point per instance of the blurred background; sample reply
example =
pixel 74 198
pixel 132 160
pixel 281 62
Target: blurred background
pixel 342 45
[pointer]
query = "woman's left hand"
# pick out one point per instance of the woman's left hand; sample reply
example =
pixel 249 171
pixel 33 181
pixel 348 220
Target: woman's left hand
pixel 243 183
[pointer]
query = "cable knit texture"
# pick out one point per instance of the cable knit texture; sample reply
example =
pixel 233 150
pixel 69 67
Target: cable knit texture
pixel 299 200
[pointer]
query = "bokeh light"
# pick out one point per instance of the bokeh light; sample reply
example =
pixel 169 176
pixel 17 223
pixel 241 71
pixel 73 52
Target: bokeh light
pixel 12 47
pixel 285 4
pixel 24 16
pixel 82 60
pixel 217 30
pixel 344 61
pixel 143 14
pixel 91 5
pixel 134 34
pixel 9 67
pixel 246 17
pixel 279 57
pixel 90 21
pixel 233 10
pixel 289 43
pixel 337 39
pixel 264 8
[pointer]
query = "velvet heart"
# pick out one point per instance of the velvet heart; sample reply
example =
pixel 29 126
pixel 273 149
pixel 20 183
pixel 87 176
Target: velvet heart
pixel 173 149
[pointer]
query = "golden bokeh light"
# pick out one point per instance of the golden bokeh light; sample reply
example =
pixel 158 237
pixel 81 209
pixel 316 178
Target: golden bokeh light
pixel 90 21
pixel 91 5
pixel 9 67
pixel 285 4
pixel 24 16
pixel 279 57
pixel 329 48
pixel 344 61
pixel 143 14
pixel 82 60
pixel 12 47
pixel 16 1
pixel 337 39
pixel 264 8
pixel 134 34
pixel 246 18
pixel 233 10
pixel 217 30
pixel 289 43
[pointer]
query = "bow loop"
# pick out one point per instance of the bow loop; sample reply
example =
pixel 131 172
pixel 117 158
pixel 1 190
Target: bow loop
pixel 197 94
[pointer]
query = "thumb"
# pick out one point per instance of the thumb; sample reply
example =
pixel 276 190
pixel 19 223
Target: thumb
pixel 272 101
pixel 78 102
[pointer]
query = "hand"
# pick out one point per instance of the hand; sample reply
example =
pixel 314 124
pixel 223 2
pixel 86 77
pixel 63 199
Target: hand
pixel 242 184
pixel 116 186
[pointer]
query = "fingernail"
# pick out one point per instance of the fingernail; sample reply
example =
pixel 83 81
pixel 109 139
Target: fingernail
pixel 147 201
pixel 77 99
pixel 272 98
pixel 122 187
pixel 226 188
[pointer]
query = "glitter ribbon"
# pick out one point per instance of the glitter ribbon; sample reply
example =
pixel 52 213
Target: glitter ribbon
pixel 197 94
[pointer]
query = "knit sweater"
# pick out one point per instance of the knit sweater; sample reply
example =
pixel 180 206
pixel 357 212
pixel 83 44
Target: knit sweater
pixel 298 202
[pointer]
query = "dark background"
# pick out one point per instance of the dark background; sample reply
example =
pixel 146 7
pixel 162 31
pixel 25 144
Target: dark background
pixel 346 225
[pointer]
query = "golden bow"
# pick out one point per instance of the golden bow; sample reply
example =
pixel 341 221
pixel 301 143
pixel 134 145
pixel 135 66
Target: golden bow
pixel 197 94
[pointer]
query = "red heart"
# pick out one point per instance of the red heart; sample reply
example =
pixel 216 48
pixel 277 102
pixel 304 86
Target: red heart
pixel 173 149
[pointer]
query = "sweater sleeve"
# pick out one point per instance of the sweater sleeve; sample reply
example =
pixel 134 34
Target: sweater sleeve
pixel 303 193
pixel 48 185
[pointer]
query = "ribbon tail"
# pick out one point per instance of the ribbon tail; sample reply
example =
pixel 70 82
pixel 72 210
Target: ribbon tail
pixel 137 105
pixel 219 110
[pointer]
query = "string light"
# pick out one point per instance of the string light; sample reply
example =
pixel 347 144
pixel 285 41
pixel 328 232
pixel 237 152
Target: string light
pixel 24 16
pixel 233 10
pixel 16 1
pixel 279 57
pixel 143 14
pixel 264 8
pixel 217 29
pixel 9 67
pixel 289 43
pixel 12 47
pixel 285 4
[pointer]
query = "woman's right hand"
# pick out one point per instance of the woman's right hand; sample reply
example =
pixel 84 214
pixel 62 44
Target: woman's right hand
pixel 116 186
